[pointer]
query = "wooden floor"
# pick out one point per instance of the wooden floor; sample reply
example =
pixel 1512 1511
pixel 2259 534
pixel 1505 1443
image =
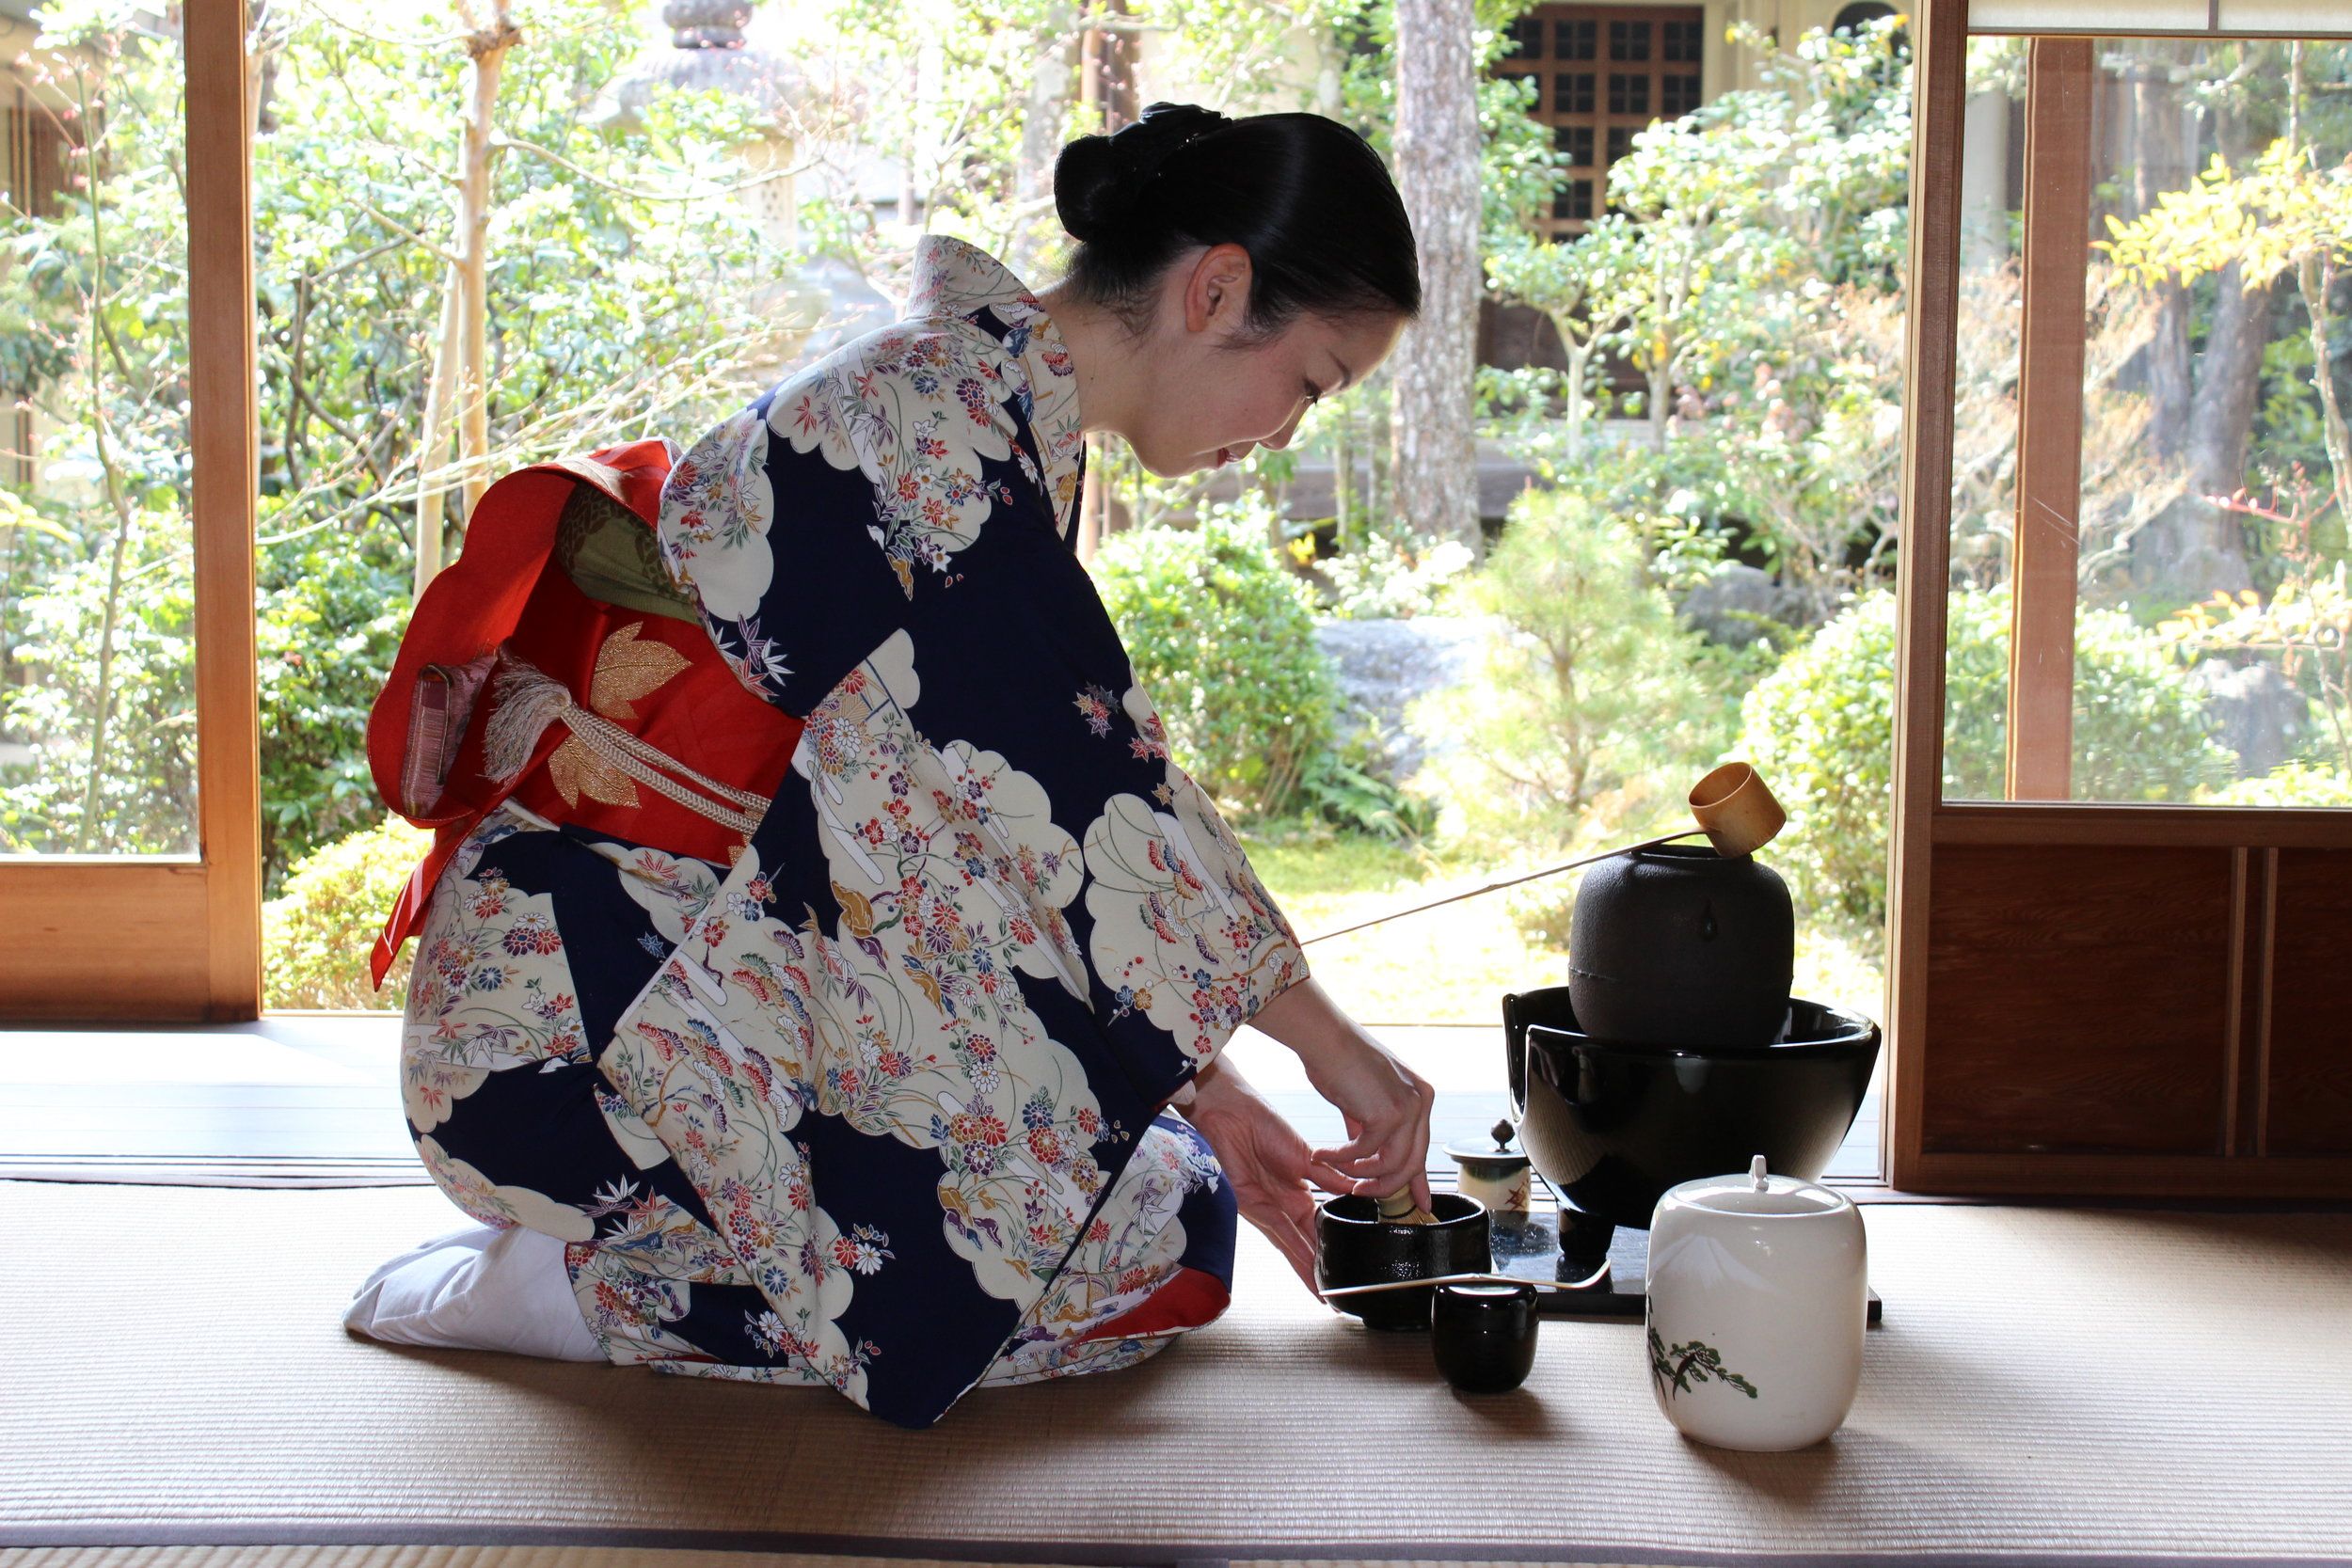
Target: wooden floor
pixel 309 1094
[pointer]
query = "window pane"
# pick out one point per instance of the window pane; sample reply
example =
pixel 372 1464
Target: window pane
pixel 2211 612
pixel 97 601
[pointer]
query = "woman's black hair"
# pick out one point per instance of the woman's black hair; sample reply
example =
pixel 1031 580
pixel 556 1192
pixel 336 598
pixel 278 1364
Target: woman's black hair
pixel 1306 197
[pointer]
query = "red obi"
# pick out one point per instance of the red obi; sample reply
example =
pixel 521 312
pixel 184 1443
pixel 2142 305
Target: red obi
pixel 561 572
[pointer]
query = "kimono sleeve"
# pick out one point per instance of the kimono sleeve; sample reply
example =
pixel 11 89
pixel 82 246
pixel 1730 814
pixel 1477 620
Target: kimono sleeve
pixel 1176 939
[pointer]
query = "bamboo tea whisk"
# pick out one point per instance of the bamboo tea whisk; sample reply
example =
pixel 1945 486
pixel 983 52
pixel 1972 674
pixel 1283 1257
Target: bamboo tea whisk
pixel 1398 1208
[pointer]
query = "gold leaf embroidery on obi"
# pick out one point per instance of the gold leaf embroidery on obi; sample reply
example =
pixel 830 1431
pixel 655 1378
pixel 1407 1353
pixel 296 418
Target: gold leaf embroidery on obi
pixel 628 669
pixel 575 770
pixel 625 670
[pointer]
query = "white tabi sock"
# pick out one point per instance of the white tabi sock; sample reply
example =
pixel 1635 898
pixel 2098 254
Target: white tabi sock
pixel 477 1288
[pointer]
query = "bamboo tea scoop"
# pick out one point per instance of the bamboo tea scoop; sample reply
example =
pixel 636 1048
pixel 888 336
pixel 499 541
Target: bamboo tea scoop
pixel 1733 807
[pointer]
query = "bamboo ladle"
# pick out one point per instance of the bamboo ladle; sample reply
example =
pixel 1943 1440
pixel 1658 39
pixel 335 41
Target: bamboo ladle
pixel 1735 810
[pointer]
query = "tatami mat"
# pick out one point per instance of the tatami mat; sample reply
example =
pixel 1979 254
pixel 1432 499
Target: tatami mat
pixel 2059 1386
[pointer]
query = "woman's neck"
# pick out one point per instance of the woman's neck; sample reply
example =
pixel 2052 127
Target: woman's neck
pixel 1103 354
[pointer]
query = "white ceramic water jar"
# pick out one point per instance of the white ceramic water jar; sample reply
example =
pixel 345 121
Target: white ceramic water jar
pixel 1759 1302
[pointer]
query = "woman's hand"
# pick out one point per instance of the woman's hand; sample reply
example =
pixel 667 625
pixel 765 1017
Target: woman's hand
pixel 1264 1159
pixel 1384 1104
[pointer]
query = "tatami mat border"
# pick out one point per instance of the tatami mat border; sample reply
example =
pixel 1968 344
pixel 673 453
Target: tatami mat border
pixel 951 1553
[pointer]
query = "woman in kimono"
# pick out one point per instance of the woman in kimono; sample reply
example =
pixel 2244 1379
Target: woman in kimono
pixel 822 965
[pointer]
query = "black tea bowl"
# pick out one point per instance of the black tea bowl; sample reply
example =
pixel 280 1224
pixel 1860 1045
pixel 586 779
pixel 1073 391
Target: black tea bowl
pixel 1354 1245
pixel 1483 1336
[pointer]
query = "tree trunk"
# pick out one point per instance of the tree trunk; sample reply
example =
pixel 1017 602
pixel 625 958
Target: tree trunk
pixel 2195 548
pixel 488 49
pixel 1437 155
pixel 433 449
pixel 1035 227
pixel 2161 164
pixel 2221 418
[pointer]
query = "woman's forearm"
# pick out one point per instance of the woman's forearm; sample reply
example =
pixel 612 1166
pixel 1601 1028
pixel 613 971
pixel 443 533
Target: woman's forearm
pixel 1305 1018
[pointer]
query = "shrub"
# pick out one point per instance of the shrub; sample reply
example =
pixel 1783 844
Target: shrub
pixel 316 937
pixel 1821 730
pixel 1223 639
pixel 2289 784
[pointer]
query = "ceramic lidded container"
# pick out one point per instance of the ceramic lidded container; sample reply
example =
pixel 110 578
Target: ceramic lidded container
pixel 1759 1299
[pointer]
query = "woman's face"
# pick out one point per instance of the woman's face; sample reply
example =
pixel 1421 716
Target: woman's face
pixel 1212 399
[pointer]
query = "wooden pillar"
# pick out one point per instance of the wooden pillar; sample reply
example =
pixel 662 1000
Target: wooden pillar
pixel 225 483
pixel 1923 591
pixel 2046 545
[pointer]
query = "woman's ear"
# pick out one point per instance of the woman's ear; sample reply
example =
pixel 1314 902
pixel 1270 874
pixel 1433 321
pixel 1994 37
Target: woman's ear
pixel 1217 293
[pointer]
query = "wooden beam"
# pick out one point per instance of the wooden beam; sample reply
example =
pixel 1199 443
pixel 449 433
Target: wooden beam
pixel 222 419
pixel 2323 1177
pixel 99 939
pixel 1940 78
pixel 2145 826
pixel 2045 544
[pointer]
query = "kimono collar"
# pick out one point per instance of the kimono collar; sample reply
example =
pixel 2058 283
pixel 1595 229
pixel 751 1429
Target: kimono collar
pixel 954 278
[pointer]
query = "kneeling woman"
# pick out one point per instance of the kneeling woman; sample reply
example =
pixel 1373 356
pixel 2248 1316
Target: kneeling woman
pixel 822 967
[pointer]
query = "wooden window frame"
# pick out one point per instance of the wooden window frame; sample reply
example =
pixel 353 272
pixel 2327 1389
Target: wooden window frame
pixel 2245 1163
pixel 1653 71
pixel 179 936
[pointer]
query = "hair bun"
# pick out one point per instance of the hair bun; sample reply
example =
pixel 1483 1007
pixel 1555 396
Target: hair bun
pixel 1098 182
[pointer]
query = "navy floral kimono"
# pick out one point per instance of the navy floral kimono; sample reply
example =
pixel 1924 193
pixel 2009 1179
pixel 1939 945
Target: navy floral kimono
pixel 880 1101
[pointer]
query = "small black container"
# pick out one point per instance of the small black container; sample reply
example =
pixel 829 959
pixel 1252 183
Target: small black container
pixel 1677 945
pixel 1483 1336
pixel 1356 1246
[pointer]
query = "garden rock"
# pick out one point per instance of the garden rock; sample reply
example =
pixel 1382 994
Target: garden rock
pixel 1734 605
pixel 2256 712
pixel 1382 667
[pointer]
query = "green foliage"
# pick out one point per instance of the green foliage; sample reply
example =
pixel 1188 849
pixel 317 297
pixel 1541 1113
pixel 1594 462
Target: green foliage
pixel 1386 579
pixel 1346 790
pixel 2289 784
pixel 144 798
pixel 1821 728
pixel 1750 272
pixel 332 612
pixel 1223 639
pixel 1590 685
pixel 316 936
pixel 623 300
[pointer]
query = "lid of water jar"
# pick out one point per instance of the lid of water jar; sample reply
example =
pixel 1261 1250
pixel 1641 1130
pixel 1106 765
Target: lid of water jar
pixel 1490 1164
pixel 1756 1195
